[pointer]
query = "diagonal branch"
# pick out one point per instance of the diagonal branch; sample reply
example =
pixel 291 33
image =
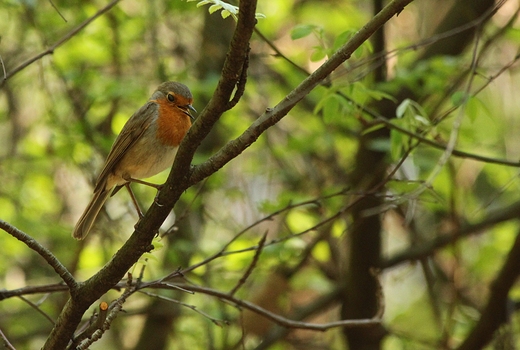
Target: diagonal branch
pixel 497 310
pixel 251 266
pixel 141 240
pixel 182 176
pixel 57 44
pixel 43 252
pixel 273 115
pixel 7 344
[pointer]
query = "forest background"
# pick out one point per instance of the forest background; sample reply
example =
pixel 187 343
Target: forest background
pixel 351 180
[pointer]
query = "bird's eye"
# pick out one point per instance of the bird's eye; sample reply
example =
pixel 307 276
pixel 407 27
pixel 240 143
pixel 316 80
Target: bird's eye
pixel 170 97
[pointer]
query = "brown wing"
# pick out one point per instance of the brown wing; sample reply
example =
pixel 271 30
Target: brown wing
pixel 131 132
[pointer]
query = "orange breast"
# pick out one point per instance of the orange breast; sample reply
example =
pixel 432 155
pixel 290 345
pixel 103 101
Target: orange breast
pixel 172 124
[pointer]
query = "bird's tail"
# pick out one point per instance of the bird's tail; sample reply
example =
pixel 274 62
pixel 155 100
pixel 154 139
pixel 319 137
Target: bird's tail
pixel 86 220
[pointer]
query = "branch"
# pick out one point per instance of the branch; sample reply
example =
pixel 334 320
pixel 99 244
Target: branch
pixel 378 56
pixel 43 252
pixel 37 308
pixel 60 42
pixel 7 344
pixel 273 115
pixel 280 320
pixel 145 230
pixel 107 314
pixel 222 252
pixel 48 288
pixel 194 308
pixel 424 250
pixel 497 310
pixel 251 266
pixel 318 305
pixel 439 146
pixel 58 11
pixel 181 176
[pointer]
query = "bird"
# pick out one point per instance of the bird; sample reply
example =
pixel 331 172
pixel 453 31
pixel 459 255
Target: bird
pixel 146 145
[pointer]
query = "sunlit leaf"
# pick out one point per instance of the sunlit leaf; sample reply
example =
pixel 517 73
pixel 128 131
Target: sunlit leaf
pixel 225 13
pixel 214 8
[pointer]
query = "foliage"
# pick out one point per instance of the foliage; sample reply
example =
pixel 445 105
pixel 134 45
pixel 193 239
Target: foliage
pixel 275 227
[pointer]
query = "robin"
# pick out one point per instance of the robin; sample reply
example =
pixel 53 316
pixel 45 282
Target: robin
pixel 146 146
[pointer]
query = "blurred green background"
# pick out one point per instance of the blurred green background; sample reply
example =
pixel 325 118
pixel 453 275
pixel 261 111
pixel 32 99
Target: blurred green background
pixel 60 115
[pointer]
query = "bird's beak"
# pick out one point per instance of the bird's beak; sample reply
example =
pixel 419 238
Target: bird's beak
pixel 188 108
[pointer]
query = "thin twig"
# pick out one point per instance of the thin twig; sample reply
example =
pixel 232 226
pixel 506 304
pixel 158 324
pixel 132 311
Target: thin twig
pixel 60 42
pixel 442 147
pixel 37 308
pixel 191 307
pixel 7 344
pixel 457 123
pixel 48 288
pixel 115 308
pixel 280 53
pixel 178 288
pixel 241 83
pixel 395 52
pixel 280 320
pixel 222 251
pixel 57 10
pixel 3 67
pixel 251 266
pixel 186 212
pixel 428 248
pixel 60 269
pixel 329 219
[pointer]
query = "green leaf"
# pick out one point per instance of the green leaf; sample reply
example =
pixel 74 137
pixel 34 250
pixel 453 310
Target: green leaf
pixel 476 107
pixel 379 95
pixel 422 120
pixel 318 54
pixel 401 109
pixel 458 98
pixel 301 31
pixel 342 39
pixel 214 8
pixel 373 128
pixel 157 244
pixel 204 2
pixel 331 108
pixel 148 256
pixel 225 13
pixel 381 144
